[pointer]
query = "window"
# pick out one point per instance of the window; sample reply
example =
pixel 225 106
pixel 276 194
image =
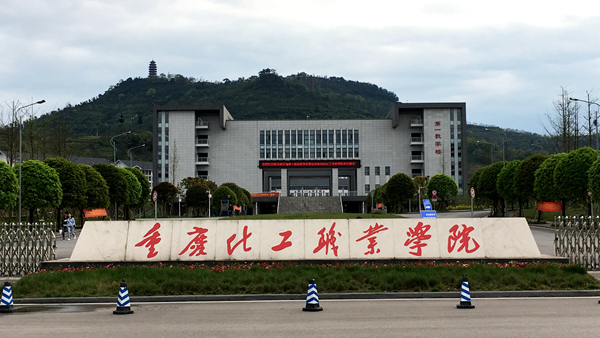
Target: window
pixel 367 188
pixel 377 171
pixel 387 171
pixel 367 171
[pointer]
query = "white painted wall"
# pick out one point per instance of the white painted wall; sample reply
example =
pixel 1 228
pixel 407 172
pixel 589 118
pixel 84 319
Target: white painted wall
pixel 331 239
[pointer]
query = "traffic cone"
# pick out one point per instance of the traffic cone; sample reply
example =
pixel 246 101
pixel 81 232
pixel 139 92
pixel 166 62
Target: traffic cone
pixel 6 304
pixel 465 295
pixel 123 305
pixel 312 297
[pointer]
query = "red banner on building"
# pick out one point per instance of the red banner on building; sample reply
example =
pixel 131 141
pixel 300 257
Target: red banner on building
pixel 94 212
pixel 310 164
pixel 549 206
pixel 265 194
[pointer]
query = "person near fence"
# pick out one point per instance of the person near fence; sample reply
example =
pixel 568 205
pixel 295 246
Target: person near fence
pixel 71 225
pixel 64 224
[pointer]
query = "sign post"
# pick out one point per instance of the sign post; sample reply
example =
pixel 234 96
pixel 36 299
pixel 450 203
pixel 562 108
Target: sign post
pixel 472 198
pixel 155 199
pixel 428 212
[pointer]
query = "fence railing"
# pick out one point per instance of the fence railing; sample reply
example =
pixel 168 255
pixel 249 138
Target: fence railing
pixel 23 247
pixel 578 239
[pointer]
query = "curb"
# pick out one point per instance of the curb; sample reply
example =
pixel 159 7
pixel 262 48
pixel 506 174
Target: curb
pixel 322 296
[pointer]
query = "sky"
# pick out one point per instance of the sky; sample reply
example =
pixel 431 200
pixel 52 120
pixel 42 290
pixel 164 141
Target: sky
pixel 508 60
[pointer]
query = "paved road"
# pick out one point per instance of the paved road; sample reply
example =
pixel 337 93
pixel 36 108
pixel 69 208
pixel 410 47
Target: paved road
pixel 556 317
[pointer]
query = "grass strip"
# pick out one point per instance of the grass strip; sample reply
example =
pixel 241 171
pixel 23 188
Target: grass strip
pixel 291 278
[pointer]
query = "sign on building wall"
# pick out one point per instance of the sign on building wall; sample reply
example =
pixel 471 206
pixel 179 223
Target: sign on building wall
pixel 184 240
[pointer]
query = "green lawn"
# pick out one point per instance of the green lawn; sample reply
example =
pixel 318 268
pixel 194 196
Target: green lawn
pixel 290 278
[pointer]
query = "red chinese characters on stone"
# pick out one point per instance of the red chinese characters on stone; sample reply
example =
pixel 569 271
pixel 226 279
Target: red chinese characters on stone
pixel 327 239
pixel 197 243
pixel 438 151
pixel 416 236
pixel 437 123
pixel 151 238
pixel 463 238
pixel 438 136
pixel 284 242
pixel 370 235
pixel 245 236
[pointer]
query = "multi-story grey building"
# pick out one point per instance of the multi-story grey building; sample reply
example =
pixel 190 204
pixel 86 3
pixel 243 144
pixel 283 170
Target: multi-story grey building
pixel 310 157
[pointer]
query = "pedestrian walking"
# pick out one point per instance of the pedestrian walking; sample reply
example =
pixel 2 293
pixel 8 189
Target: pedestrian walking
pixel 64 224
pixel 71 225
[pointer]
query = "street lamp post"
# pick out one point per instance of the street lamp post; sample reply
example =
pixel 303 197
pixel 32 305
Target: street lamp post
pixel 131 155
pixel 503 145
pixel 209 196
pixel 112 142
pixel 21 148
pixel 595 121
pixel 537 145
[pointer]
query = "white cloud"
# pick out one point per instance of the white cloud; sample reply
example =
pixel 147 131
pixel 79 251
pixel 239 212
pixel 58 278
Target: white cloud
pixel 505 59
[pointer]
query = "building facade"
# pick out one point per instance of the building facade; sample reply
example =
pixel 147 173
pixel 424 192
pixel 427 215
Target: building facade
pixel 310 157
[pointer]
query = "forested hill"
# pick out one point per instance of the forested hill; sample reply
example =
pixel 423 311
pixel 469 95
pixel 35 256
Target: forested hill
pixel 266 96
pixel 128 105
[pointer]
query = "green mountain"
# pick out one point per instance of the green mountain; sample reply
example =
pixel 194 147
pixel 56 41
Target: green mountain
pixel 128 106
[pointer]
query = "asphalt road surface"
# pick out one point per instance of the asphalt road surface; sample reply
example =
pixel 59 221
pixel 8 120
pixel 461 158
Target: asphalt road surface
pixel 539 317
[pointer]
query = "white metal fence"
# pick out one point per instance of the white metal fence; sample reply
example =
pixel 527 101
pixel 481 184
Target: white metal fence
pixel 24 246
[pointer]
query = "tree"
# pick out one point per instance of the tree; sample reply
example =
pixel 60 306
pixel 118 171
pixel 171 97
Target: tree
pixel 118 191
pixel 9 187
pixel 248 199
pixel 237 192
pixel 543 186
pixel 145 184
pixel 196 196
pixel 96 191
pixel 594 179
pixel 40 186
pixel 505 181
pixel 189 181
pixel 166 194
pixel 399 189
pixel 564 127
pixel 72 181
pixel 420 183
pixel 473 182
pixel 486 185
pixel 525 177
pixel 222 193
pixel 134 192
pixel 571 175
pixel 445 187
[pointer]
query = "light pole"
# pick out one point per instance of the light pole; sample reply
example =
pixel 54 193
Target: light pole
pixel 503 145
pixel 130 155
pixel 491 149
pixel 537 145
pixel 209 196
pixel 595 121
pixel 179 205
pixel 21 148
pixel 112 142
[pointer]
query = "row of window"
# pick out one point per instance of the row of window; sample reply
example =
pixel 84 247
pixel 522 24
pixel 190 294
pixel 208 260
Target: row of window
pixel 388 170
pixel 313 143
